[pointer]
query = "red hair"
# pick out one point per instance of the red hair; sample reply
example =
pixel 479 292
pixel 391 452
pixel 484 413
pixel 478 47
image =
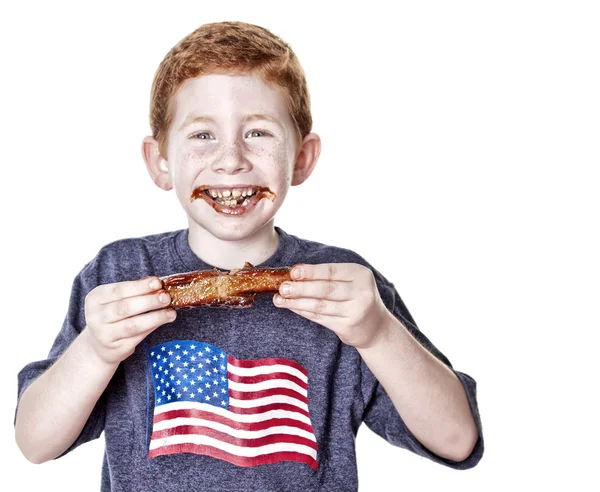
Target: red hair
pixel 229 47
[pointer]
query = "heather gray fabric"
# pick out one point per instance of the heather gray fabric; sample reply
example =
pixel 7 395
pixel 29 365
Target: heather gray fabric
pixel 342 391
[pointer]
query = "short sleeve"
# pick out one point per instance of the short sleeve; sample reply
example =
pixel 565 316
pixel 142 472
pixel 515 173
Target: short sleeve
pixel 381 416
pixel 73 325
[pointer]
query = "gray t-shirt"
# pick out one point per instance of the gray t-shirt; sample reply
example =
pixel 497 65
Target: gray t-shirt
pixel 236 399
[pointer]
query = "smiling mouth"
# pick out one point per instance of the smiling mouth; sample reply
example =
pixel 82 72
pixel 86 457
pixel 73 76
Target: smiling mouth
pixel 232 201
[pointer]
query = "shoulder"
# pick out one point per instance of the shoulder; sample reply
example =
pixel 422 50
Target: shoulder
pixel 129 258
pixel 313 252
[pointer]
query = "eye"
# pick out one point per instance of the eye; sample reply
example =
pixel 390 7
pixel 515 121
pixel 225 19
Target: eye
pixel 256 133
pixel 202 136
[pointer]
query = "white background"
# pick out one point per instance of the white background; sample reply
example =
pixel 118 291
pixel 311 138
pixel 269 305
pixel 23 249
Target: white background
pixel 460 157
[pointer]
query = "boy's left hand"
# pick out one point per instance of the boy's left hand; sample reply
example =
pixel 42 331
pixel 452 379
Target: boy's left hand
pixel 340 296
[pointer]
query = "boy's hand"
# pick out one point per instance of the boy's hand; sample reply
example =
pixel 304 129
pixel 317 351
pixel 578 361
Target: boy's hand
pixel 340 296
pixel 121 315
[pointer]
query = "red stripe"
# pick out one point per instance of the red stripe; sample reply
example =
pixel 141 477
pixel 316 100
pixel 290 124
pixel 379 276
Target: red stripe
pixel 236 441
pixel 213 417
pixel 267 377
pixel 265 459
pixel 253 395
pixel 265 408
pixel 265 362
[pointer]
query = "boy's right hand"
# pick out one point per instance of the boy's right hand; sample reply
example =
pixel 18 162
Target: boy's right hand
pixel 120 315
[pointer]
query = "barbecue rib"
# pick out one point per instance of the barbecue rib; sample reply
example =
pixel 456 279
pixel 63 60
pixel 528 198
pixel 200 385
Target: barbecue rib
pixel 214 288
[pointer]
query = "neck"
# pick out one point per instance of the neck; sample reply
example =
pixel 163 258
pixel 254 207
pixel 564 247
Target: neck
pixel 228 255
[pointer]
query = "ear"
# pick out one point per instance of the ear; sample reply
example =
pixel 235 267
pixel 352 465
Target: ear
pixel 307 158
pixel 157 167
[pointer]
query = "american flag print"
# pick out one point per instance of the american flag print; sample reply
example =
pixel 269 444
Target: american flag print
pixel 246 412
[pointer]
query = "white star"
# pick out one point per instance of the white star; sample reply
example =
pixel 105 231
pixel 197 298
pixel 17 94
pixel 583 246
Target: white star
pixel 154 365
pixel 171 364
pixel 171 377
pixel 156 376
pixel 185 376
pixel 222 367
pixel 185 364
pixel 158 388
pixel 215 357
pixel 192 382
pixel 178 395
pixel 200 365
pixel 223 403
pixel 200 390
pixel 167 385
pixel 200 378
pixel 193 369
pixel 170 352
pixel 215 370
pixel 215 394
pixel 158 356
pixel 215 382
pixel 163 349
pixel 178 369
pixel 208 373
pixel 191 395
pixel 185 352
pixel 160 368
pixel 158 400
pixel 184 389
pixel 222 390
pixel 172 390
pixel 164 359
pixel 222 378
pixel 166 372
pixel 164 393
pixel 168 397
pixel 178 357
pixel 207 385
pixel 192 358
pixel 200 354
pixel 192 347
pixel 207 398
pixel 222 356
pixel 162 380
pixel 207 349
pixel 177 346
pixel 178 382
pixel 207 361
pixel 151 354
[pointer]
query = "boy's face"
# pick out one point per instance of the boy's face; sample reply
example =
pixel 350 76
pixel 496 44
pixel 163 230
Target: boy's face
pixel 232 153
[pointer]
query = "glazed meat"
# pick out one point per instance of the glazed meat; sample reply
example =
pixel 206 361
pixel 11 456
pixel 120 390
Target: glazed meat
pixel 214 288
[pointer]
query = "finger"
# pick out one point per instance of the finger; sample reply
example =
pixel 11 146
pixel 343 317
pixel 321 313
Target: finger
pixel 142 324
pixel 344 272
pixel 132 306
pixel 319 307
pixel 107 293
pixel 332 290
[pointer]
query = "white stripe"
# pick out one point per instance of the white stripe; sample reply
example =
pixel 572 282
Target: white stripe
pixel 231 448
pixel 258 402
pixel 254 371
pixel 243 434
pixel 273 383
pixel 258 417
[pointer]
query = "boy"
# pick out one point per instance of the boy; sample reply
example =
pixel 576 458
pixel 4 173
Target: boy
pixel 265 398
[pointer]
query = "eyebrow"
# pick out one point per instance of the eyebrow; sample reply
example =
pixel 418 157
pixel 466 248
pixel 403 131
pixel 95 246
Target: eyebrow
pixel 192 118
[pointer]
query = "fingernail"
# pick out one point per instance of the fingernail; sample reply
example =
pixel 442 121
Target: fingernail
pixel 154 284
pixel 297 273
pixel 286 289
pixel 164 298
pixel 171 314
pixel 278 299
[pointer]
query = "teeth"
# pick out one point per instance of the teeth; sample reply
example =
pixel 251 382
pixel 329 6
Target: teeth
pixel 246 202
pixel 244 193
pixel 226 193
pixel 219 194
pixel 213 194
pixel 249 192
pixel 236 193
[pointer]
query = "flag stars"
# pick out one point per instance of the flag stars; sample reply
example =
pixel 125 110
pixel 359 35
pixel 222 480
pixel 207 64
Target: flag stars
pixel 171 365
pixel 178 357
pixel 163 348
pixel 164 360
pixel 207 349
pixel 193 358
pixel 222 390
pixel 215 382
pixel 185 376
pixel 191 395
pixel 193 369
pixel 154 365
pixel 170 352
pixel 178 369
pixel 178 382
pixel 215 357
pixel 151 354
pixel 207 385
pixel 207 361
pixel 185 352
pixel 177 346
pixel 166 372
pixel 200 365
pixel 222 367
pixel 185 389
pixel 192 346
pixel 158 356
pixel 192 382
pixel 178 395
pixel 215 370
pixel 208 373
pixel 185 364
pixel 223 403
pixel 214 394
pixel 222 356
pixel 168 397
pixel 207 398
pixel 222 378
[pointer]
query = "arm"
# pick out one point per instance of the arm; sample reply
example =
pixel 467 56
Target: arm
pixel 426 393
pixel 54 408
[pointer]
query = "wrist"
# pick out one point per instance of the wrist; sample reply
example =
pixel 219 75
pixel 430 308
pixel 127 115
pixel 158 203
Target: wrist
pixel 89 352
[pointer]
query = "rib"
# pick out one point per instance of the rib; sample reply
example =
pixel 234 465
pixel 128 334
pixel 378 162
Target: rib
pixel 214 288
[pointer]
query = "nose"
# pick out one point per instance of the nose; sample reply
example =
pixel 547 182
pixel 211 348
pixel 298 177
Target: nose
pixel 231 159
